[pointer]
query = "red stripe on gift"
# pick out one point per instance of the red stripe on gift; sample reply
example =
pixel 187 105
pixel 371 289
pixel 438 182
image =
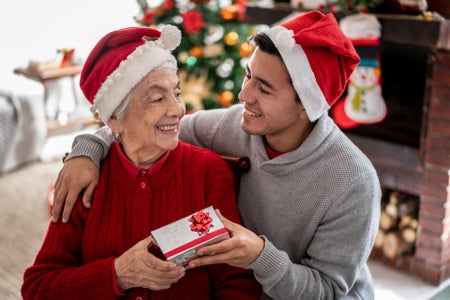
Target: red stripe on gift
pixel 195 242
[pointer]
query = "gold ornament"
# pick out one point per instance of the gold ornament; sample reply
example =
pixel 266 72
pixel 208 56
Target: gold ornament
pixel 226 98
pixel 194 89
pixel 183 57
pixel 229 13
pixel 213 50
pixel 231 38
pixel 246 49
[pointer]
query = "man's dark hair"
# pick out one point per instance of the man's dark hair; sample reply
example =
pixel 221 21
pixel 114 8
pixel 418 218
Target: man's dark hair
pixel 265 44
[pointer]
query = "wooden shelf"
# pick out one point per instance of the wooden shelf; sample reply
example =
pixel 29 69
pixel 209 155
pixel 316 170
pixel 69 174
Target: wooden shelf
pixel 51 74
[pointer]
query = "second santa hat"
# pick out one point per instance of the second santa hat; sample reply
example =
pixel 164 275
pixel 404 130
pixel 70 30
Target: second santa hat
pixel 318 56
pixel 120 60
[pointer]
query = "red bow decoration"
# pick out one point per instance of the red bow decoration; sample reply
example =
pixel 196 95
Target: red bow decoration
pixel 201 222
pixel 67 58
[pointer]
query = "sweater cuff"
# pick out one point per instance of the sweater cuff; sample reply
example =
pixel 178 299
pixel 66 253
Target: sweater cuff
pixel 271 265
pixel 94 146
pixel 117 292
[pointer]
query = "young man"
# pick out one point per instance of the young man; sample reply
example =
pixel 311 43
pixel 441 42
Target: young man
pixel 310 203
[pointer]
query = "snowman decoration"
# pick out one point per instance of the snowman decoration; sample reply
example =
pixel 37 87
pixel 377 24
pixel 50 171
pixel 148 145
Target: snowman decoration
pixel 364 102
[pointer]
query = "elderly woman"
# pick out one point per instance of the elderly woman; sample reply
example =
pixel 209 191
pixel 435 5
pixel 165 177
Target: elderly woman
pixel 148 180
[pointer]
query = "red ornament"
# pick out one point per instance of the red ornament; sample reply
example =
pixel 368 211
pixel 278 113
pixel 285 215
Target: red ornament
pixel 192 21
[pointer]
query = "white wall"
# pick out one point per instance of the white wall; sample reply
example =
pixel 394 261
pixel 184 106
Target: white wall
pixel 34 29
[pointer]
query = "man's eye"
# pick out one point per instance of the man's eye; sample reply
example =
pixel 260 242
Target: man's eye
pixel 262 90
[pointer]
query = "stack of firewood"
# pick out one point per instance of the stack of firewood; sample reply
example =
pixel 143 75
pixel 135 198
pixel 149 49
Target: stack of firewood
pixel 398 224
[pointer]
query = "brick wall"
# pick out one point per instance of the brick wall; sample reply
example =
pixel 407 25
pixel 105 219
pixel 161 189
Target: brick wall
pixel 432 256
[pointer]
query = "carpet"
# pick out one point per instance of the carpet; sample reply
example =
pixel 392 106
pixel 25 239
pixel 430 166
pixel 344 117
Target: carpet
pixel 24 217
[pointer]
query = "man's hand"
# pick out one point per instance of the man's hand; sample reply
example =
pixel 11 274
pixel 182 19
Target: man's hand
pixel 137 267
pixel 77 173
pixel 243 248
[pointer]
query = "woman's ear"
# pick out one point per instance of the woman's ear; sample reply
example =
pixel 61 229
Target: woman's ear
pixel 114 124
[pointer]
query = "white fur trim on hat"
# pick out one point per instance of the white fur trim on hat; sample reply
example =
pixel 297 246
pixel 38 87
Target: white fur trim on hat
pixel 143 60
pixel 302 76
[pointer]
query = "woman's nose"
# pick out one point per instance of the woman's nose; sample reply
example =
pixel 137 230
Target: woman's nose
pixel 175 108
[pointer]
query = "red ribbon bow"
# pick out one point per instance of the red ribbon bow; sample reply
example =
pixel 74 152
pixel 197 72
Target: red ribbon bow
pixel 201 222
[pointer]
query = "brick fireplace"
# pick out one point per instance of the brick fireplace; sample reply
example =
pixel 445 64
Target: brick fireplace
pixel 432 256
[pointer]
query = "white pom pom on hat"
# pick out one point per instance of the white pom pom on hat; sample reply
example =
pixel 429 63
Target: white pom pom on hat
pixel 120 60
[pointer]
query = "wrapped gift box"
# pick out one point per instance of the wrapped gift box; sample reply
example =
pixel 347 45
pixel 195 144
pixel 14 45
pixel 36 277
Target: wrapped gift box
pixel 179 240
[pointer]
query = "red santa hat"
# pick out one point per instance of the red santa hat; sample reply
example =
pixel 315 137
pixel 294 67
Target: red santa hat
pixel 120 60
pixel 318 57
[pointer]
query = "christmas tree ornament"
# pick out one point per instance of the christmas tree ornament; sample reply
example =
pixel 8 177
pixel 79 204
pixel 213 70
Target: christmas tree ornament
pixel 226 99
pixel 228 85
pixel 196 51
pixel 214 50
pixel 191 61
pixel 182 57
pixel 229 13
pixel 214 34
pixel 231 38
pixel 246 49
pixel 194 88
pixel 192 21
pixel 224 70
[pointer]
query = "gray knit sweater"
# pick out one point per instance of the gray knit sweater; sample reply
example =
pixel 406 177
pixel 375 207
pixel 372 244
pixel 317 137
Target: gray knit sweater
pixel 317 207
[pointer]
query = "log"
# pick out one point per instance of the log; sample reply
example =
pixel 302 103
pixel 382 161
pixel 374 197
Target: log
pixel 387 222
pixel 409 235
pixel 394 245
pixel 405 221
pixel 408 221
pixel 379 239
pixel 392 210
pixel 394 197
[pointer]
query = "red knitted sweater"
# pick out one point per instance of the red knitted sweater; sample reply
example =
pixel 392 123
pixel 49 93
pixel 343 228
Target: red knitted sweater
pixel 76 259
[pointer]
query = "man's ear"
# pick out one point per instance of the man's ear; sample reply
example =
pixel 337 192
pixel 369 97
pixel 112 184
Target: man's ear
pixel 302 112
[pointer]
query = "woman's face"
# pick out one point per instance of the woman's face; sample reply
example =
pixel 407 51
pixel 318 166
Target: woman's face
pixel 152 122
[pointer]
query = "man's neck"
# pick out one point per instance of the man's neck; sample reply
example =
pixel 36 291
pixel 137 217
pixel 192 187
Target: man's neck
pixel 285 144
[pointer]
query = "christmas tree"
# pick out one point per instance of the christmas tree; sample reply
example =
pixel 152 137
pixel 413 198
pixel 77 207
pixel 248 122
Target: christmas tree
pixel 214 48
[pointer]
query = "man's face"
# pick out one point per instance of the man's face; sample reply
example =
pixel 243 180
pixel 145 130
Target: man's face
pixel 270 102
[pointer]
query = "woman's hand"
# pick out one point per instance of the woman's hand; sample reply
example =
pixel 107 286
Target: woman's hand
pixel 137 267
pixel 243 248
pixel 77 173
